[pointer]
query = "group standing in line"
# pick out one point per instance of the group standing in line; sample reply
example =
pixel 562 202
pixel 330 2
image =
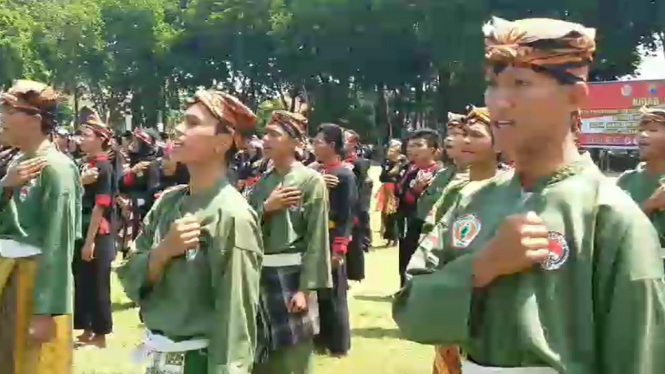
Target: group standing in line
pixel 240 262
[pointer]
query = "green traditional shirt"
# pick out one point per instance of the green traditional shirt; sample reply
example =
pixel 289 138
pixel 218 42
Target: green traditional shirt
pixel 211 292
pixel 640 185
pixel 456 190
pixel 597 305
pixel 433 192
pixel 46 213
pixel 434 195
pixel 300 229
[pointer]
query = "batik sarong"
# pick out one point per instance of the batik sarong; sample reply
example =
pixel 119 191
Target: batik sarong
pixel 18 354
pixel 447 360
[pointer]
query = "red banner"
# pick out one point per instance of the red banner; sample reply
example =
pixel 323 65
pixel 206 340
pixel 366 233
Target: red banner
pixel 611 117
pixel 608 140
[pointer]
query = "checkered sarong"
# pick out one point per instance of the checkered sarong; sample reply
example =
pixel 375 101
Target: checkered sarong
pixel 276 326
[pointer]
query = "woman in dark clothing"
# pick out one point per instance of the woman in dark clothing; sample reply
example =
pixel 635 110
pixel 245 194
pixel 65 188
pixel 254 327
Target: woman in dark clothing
pixel 391 170
pixel 141 180
pixel 252 167
pixel 94 254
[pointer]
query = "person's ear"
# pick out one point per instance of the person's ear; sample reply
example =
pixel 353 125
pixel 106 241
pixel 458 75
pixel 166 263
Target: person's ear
pixel 224 143
pixel 578 93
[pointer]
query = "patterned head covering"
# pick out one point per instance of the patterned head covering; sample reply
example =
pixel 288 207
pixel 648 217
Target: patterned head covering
pixel 62 132
pixel 227 109
pixel 475 114
pixel 295 124
pixel 395 143
pixel 95 124
pixel 455 120
pixel 144 136
pixel 34 98
pixel 557 47
pixel 656 115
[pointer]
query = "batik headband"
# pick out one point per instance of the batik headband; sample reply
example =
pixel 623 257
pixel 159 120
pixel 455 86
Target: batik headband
pixel 557 47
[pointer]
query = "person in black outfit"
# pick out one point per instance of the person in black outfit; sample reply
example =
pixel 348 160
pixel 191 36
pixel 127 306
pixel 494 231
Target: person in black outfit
pixel 252 167
pixel 142 180
pixel 306 155
pixel 361 234
pixel 335 334
pixel 422 148
pixel 392 168
pixel 94 254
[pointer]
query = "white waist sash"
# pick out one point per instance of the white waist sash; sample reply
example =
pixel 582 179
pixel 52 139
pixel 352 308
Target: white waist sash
pixel 469 367
pixel 159 343
pixel 279 260
pixel 13 249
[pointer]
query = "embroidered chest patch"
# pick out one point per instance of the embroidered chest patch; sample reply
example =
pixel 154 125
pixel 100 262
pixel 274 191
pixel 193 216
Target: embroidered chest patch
pixel 25 190
pixel 464 230
pixel 559 251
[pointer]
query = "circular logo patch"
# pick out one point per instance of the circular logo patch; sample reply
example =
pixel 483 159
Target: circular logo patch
pixel 464 230
pixel 23 194
pixel 559 251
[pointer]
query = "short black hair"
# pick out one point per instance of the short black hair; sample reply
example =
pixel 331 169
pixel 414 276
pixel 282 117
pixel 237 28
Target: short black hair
pixel 333 133
pixel 429 135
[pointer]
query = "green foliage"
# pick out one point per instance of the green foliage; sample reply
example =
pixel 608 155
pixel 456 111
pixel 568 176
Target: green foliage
pixel 377 66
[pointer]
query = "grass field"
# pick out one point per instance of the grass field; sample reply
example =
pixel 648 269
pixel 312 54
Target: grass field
pixel 376 347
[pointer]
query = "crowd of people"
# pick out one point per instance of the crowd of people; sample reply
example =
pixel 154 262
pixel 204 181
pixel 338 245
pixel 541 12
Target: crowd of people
pixel 516 255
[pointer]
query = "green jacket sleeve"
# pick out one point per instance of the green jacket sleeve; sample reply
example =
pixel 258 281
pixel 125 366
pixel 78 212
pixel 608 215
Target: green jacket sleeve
pixel 256 198
pixel 236 270
pixel 53 283
pixel 133 273
pixel 630 293
pixel 434 307
pixel 316 267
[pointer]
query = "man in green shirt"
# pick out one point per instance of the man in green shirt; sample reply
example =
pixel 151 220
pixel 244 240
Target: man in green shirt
pixel 646 183
pixel 196 265
pixel 40 218
pixel 429 202
pixel 550 268
pixel 292 200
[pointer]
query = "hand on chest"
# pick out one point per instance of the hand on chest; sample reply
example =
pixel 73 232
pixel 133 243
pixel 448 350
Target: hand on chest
pixel 542 230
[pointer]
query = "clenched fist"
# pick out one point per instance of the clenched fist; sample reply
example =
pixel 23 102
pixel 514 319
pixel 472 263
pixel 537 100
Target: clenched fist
pixel 520 242
pixel 183 235
pixel 281 198
pixel 89 176
pixel 331 180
